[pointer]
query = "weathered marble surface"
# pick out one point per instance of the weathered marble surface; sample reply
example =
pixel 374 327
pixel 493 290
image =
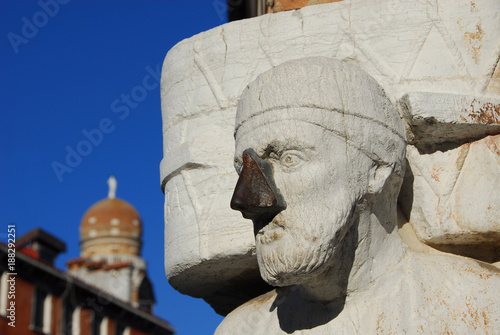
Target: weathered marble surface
pixel 386 306
pixel 336 147
pixel 451 190
pixel 410 48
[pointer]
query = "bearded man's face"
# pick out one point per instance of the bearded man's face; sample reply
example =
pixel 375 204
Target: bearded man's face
pixel 321 179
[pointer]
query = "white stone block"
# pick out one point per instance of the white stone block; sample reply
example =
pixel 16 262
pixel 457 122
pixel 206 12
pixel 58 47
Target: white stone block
pixel 455 196
pixel 438 46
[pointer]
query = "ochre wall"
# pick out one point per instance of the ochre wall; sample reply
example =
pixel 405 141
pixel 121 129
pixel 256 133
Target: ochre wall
pixel 283 5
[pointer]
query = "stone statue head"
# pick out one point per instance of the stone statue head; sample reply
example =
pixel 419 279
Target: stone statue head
pixel 317 143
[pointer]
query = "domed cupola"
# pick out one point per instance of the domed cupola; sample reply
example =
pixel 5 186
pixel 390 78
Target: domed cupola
pixel 111 226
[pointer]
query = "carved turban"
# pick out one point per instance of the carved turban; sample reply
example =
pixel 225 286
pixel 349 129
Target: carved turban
pixel 332 94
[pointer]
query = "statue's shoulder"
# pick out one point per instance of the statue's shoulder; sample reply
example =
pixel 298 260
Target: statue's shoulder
pixel 434 294
pixel 249 317
pixel 456 292
pixel 450 267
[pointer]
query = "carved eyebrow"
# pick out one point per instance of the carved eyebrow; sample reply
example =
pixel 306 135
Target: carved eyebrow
pixel 278 147
pixel 273 147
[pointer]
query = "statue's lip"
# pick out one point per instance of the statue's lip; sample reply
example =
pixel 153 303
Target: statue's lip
pixel 270 233
pixel 278 224
pixel 272 225
pixel 258 225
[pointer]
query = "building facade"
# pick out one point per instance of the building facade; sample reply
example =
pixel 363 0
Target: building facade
pixel 105 291
pixel 110 255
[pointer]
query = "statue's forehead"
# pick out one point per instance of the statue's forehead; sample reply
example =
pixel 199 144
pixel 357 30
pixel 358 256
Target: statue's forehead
pixel 282 135
pixel 289 122
pixel 277 128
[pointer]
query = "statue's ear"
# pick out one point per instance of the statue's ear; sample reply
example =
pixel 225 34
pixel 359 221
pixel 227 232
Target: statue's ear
pixel 378 176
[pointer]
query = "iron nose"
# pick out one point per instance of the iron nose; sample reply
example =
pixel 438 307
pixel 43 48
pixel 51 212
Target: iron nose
pixel 256 195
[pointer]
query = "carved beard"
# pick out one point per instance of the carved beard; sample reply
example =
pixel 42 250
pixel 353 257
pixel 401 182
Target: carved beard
pixel 290 254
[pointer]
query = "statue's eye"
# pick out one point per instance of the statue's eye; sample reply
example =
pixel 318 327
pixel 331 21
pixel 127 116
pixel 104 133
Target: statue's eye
pixel 291 159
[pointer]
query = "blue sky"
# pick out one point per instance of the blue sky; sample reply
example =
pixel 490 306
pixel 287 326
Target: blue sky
pixel 66 71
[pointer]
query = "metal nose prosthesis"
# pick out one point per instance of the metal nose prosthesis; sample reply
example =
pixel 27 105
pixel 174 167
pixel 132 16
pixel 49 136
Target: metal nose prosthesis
pixel 256 195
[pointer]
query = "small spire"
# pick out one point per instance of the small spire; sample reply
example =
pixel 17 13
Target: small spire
pixel 112 187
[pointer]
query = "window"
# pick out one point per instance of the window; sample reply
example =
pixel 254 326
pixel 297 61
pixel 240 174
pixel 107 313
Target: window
pixel 75 324
pixel 120 329
pixel 4 293
pixel 67 319
pixel 47 314
pixel 146 295
pixel 37 306
pixel 41 311
pixel 104 326
pixel 96 324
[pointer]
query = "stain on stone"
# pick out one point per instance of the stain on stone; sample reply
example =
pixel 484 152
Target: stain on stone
pixel 435 173
pixel 487 113
pixel 472 41
pixel 473 8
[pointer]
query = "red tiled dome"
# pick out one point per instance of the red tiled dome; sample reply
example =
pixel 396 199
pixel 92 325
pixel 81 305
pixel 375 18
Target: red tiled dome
pixel 111 217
